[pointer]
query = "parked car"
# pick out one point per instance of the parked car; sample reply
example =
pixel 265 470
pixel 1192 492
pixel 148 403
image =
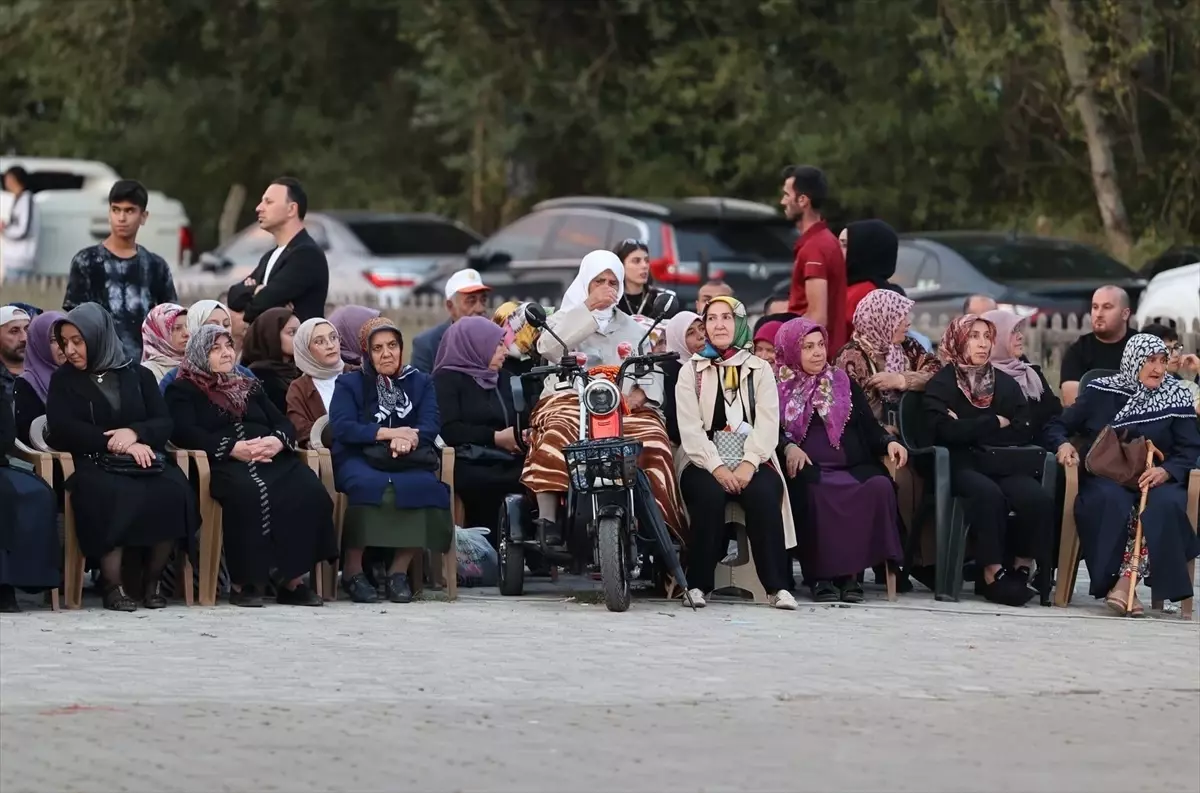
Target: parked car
pixel 749 245
pixel 1027 275
pixel 71 204
pixel 1172 296
pixel 1175 256
pixel 367 251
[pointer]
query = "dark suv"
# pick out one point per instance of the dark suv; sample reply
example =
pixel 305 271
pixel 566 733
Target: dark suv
pixel 748 245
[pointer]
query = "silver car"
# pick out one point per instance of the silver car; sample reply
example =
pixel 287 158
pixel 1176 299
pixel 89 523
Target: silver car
pixel 385 253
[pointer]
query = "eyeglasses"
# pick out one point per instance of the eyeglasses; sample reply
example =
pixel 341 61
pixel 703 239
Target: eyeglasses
pixel 1174 349
pixel 633 241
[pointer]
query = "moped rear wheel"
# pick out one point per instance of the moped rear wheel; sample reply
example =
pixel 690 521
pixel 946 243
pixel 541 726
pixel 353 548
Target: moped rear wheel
pixel 511 557
pixel 614 567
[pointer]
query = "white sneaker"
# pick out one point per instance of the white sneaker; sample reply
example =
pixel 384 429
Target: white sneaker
pixel 782 600
pixel 697 599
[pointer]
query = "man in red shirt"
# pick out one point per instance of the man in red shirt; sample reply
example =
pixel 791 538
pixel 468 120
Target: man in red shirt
pixel 819 275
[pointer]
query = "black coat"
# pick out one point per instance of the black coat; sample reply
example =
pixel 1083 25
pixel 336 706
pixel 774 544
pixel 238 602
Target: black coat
pixel 27 406
pixel 1042 411
pixel 470 413
pixel 300 277
pixel 8 494
pixel 976 427
pixel 78 415
pixel 671 370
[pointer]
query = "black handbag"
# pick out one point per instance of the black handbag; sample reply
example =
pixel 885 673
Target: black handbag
pixel 1001 461
pixel 125 465
pixel 423 458
pixel 478 453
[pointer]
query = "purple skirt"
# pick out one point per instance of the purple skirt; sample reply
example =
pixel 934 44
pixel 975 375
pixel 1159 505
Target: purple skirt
pixel 851 525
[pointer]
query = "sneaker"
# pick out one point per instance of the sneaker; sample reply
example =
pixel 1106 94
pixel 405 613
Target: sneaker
pixel 300 596
pixel 697 599
pixel 247 597
pixel 398 590
pixel 782 600
pixel 359 589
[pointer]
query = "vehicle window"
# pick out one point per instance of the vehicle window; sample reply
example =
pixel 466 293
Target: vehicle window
pixel 55 180
pixel 1010 260
pixel 523 239
pixel 411 237
pixel 252 242
pixel 577 236
pixel 916 270
pixel 734 241
pixel 624 230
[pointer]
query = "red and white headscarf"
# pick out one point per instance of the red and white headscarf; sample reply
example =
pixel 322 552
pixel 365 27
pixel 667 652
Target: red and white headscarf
pixel 156 335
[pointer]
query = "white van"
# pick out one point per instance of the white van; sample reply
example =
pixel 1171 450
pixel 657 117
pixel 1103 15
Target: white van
pixel 1172 295
pixel 71 204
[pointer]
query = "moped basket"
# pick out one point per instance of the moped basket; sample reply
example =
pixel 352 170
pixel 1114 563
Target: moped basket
pixel 597 465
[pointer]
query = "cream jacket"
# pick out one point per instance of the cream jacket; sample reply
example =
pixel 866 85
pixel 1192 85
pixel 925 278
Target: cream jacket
pixel 579 330
pixel 695 415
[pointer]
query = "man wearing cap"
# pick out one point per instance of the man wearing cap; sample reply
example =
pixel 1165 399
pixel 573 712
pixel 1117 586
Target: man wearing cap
pixel 14 334
pixel 466 296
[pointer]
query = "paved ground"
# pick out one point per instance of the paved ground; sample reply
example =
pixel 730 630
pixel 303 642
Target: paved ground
pixel 545 694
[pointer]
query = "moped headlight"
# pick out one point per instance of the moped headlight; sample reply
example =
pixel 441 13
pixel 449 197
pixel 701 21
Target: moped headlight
pixel 601 397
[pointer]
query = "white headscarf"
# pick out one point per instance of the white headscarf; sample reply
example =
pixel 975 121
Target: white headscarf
pixel 305 361
pixel 677 330
pixel 590 268
pixel 199 312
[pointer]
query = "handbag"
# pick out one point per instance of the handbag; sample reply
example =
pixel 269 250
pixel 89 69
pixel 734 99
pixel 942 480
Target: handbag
pixel 731 446
pixel 999 461
pixel 1113 457
pixel 423 458
pixel 125 465
pixel 478 453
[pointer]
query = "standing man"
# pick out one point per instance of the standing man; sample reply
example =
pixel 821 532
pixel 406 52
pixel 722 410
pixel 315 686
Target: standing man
pixel 20 230
pixel 1103 347
pixel 119 274
pixel 295 273
pixel 466 296
pixel 819 272
pixel 710 290
pixel 14 336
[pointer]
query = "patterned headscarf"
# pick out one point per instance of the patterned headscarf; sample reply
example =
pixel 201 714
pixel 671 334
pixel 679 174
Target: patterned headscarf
pixel 742 338
pixel 1007 324
pixel 391 399
pixel 879 314
pixel 39 357
pixel 826 393
pixel 519 335
pixel 977 382
pixel 1169 400
pixel 677 330
pixel 156 335
pixel 229 391
pixel 305 361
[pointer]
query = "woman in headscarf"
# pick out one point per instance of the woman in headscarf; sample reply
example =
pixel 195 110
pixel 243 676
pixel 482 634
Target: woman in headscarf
pixel 317 351
pixel 1008 355
pixel 972 406
pixel 832 450
pixel 348 322
pixel 478 419
pixel 108 414
pixel 684 336
pixel 269 353
pixel 1142 401
pixel 278 517
pixel 164 337
pixel 385 421
pixel 724 389
pixel 590 325
pixel 199 314
pixel 870 247
pixel 30 552
pixel 881 359
pixel 42 357
pixel 764 341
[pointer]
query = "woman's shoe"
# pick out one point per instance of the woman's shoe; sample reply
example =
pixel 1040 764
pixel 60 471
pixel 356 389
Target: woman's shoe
pixel 398 590
pixel 300 596
pixel 8 600
pixel 247 597
pixel 1117 598
pixel 115 599
pixel 697 599
pixel 852 592
pixel 782 600
pixel 826 592
pixel 1006 589
pixel 154 599
pixel 359 589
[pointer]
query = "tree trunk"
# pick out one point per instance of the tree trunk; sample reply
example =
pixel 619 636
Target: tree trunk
pixel 1074 44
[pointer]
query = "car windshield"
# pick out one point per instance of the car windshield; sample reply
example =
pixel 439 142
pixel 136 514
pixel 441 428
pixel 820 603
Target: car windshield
pixel 1044 260
pixel 735 241
pixel 411 237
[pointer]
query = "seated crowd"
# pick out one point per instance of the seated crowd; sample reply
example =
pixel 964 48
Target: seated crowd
pixel 804 437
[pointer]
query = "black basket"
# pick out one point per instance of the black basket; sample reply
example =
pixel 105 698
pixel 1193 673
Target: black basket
pixel 603 464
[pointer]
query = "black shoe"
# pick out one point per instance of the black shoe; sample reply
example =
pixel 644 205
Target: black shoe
pixel 154 599
pixel 398 590
pixel 826 592
pixel 852 591
pixel 548 530
pixel 1007 589
pixel 115 599
pixel 300 596
pixel 359 589
pixel 247 597
pixel 8 600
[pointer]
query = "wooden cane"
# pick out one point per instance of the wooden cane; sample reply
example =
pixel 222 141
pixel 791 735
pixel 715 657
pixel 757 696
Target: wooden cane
pixel 1136 560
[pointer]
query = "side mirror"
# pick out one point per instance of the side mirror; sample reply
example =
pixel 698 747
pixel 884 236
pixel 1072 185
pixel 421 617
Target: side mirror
pixel 663 304
pixel 535 315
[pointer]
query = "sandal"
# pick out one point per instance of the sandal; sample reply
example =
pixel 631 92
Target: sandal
pixel 1117 598
pixel 115 599
pixel 852 592
pixel 826 592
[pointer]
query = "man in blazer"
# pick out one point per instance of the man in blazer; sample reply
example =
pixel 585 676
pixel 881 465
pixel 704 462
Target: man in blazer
pixel 295 273
pixel 466 296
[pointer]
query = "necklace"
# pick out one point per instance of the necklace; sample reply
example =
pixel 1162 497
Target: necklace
pixel 641 305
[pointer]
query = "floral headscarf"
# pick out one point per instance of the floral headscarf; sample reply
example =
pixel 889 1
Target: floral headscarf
pixel 229 391
pixel 742 338
pixel 879 314
pixel 156 335
pixel 519 335
pixel 1169 400
pixel 976 381
pixel 1007 324
pixel 391 399
pixel 826 393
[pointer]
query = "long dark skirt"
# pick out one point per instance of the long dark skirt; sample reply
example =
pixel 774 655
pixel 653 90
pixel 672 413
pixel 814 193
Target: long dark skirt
pixel 851 525
pixel 31 555
pixel 1102 513
pixel 482 488
pixel 277 519
pixel 119 511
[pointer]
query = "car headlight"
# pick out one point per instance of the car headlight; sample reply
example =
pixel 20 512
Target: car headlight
pixel 601 397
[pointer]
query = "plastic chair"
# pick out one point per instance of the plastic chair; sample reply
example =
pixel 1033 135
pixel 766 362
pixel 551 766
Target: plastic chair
pixel 320 439
pixel 737 572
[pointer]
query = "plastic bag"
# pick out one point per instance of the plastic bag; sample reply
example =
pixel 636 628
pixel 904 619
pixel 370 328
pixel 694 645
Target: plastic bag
pixel 478 564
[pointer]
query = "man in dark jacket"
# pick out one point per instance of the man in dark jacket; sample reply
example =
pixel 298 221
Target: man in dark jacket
pixel 466 296
pixel 295 273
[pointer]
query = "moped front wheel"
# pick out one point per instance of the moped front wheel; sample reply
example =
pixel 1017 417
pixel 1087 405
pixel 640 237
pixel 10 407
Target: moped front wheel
pixel 614 567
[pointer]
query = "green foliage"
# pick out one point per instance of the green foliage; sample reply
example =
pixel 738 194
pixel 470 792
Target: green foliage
pixel 929 113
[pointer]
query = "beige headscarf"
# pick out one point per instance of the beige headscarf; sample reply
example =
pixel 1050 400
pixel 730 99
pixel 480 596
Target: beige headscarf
pixel 305 361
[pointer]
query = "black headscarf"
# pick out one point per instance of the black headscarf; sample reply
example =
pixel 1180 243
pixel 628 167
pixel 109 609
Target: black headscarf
pixel 871 247
pixel 99 332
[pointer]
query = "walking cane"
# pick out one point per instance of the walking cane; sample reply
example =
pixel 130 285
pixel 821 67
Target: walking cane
pixel 1136 559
